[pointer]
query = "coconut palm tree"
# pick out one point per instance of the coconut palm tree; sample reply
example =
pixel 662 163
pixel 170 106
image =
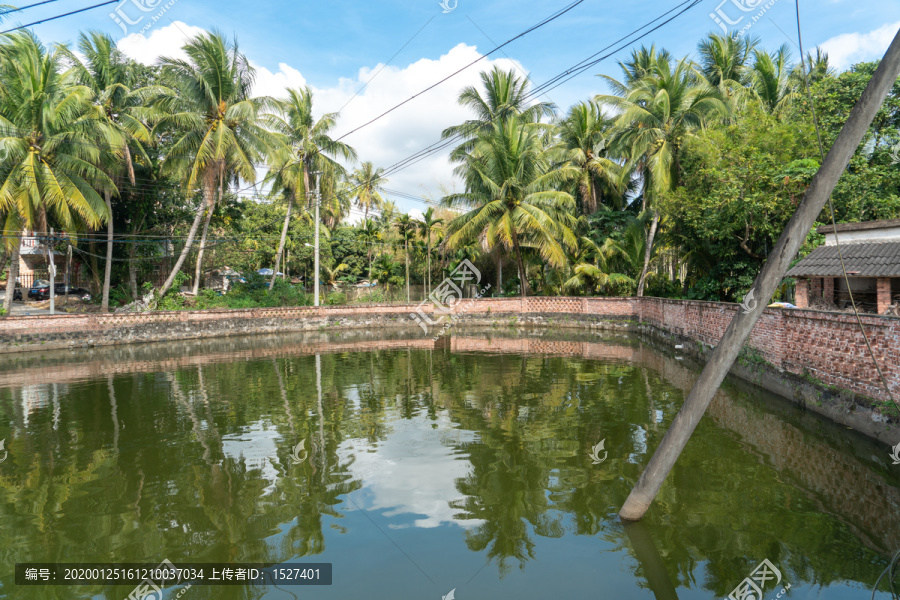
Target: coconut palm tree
pixel 369 233
pixel 640 64
pixel 771 80
pixel 50 137
pixel 658 112
pixel 428 223
pixel 513 197
pixel 217 128
pixel 726 58
pixel 407 229
pixel 505 95
pixel 591 267
pixel 817 66
pixel 105 71
pixel 305 147
pixel 582 135
pixel 369 183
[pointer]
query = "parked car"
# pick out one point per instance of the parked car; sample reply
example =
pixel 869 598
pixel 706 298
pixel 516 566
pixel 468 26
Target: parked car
pixel 41 291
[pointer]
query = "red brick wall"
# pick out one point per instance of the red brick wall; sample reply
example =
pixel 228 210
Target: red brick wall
pixel 828 346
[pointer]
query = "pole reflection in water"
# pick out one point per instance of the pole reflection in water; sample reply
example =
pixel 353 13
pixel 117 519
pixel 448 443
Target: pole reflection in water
pixel 647 555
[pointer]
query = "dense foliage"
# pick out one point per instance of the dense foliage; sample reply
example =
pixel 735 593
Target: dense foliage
pixel 676 183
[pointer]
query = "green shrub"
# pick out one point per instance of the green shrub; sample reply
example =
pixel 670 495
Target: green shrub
pixel 372 297
pixel 336 299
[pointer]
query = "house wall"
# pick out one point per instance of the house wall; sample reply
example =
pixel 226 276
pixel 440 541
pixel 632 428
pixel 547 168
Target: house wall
pixel 883 234
pixel 824 345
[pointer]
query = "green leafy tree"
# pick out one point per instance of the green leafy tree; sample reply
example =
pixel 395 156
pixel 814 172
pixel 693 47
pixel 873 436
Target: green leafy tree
pixel 503 95
pixel 407 229
pixel 217 125
pixel 368 183
pixel 106 71
pixel 305 147
pixel 49 133
pixel 427 225
pixel 601 181
pixel 659 112
pixel 513 197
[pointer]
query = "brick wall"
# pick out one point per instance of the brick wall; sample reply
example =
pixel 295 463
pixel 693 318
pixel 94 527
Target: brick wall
pixel 828 346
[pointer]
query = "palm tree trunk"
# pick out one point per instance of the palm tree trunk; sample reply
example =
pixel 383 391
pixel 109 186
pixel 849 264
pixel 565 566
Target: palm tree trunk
pixel 13 275
pixel 199 270
pixel 95 269
pixel 428 266
pixel 650 239
pixel 523 280
pixel 188 244
pixel 407 271
pixel 107 272
pixel 203 236
pixel 284 230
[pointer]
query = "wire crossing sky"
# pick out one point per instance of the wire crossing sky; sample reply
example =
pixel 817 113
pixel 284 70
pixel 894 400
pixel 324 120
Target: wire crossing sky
pixel 380 54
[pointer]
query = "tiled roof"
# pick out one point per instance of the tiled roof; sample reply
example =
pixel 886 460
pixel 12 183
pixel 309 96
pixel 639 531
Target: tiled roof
pixel 870 260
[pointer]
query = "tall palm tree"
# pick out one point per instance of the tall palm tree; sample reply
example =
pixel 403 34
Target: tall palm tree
pixel 49 133
pixel 817 66
pixel 369 233
pixel 105 71
pixel 426 226
pixel 217 128
pixel 337 199
pixel 582 135
pixel 513 197
pixel 407 229
pixel 726 58
pixel 369 183
pixel 641 63
pixel 658 112
pixel 305 147
pixel 505 95
pixel 771 80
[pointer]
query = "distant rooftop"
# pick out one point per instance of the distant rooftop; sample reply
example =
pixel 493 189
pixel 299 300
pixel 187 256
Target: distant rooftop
pixel 887 230
pixel 871 259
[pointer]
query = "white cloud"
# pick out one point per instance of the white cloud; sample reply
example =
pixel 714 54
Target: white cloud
pixel 413 471
pixel 847 49
pixel 162 41
pixel 407 130
pixel 275 84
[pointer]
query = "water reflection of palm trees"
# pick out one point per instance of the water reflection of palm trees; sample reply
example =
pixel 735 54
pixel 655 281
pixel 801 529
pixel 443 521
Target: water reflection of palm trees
pixel 152 447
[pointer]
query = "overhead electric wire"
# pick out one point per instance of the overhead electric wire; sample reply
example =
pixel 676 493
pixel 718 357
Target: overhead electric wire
pixel 840 253
pixel 73 12
pixel 554 82
pixel 21 8
pixel 549 19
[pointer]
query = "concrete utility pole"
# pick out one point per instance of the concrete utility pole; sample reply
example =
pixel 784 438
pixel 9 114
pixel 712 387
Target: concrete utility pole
pixel 51 268
pixel 772 273
pixel 316 275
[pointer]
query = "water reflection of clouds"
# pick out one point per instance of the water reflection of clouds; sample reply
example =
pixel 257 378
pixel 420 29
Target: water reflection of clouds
pixel 257 444
pixel 413 471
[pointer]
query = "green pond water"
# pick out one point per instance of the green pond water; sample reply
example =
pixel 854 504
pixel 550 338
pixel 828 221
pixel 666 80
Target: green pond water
pixel 427 469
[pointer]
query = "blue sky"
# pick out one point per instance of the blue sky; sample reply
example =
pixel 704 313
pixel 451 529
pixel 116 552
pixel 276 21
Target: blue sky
pixel 337 46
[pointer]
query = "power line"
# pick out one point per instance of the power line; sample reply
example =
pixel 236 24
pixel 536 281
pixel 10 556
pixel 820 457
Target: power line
pixel 21 8
pixel 73 12
pixel 549 19
pixel 552 83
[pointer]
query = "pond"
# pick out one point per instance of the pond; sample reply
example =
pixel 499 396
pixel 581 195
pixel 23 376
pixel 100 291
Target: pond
pixel 488 465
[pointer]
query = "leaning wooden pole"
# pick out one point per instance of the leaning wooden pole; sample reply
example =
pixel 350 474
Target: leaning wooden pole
pixel 771 275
